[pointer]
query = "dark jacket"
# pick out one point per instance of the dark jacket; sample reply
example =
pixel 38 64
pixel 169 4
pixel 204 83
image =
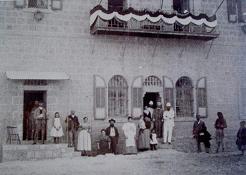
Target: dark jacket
pixel 116 132
pixel 198 128
pixel 72 123
pixel 220 124
pixel 241 137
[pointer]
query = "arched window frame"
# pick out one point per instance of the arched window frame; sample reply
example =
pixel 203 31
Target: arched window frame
pixel 100 107
pixel 201 97
pixel 117 96
pixel 192 97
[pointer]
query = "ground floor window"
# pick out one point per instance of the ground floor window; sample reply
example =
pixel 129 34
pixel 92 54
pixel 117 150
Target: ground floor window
pixel 117 96
pixel 184 97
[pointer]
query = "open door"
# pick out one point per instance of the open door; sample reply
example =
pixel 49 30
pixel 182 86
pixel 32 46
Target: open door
pixel 137 97
pixel 29 102
pixel 99 97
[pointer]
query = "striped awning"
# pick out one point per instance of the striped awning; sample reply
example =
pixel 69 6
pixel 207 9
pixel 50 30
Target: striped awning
pixel 26 75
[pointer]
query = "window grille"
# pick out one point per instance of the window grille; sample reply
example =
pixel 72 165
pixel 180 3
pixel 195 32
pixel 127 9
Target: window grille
pixel 152 81
pixel 35 82
pixel 42 4
pixel 117 96
pixel 184 97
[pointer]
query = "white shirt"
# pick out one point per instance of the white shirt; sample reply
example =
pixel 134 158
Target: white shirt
pixel 112 132
pixel 168 117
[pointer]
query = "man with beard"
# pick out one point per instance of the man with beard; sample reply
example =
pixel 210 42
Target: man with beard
pixel 158 120
pixel 113 134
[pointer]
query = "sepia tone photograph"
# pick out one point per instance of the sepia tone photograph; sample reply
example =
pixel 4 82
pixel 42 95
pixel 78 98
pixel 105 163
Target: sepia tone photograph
pixel 123 87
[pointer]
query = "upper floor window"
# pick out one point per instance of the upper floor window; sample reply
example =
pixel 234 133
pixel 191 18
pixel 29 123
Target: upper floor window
pixel 236 10
pixel 181 5
pixel 42 4
pixel 39 4
pixel 115 5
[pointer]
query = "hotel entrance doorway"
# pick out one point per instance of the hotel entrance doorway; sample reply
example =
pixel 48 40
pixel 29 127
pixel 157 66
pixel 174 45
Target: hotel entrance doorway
pixel 29 102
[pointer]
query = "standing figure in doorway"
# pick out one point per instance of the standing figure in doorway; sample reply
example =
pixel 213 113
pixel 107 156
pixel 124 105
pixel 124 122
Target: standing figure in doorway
pixel 32 120
pixel 158 120
pixel 151 109
pixel 130 130
pixel 56 130
pixel 113 134
pixel 168 117
pixel 220 125
pixel 84 138
pixel 72 128
pixel 40 118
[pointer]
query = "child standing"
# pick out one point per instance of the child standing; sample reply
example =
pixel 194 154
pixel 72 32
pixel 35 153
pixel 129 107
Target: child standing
pixel 153 140
pixel 241 137
pixel 56 130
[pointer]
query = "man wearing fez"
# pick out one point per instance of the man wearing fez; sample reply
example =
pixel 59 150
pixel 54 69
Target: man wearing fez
pixel 113 134
pixel 158 120
pixel 72 129
pixel 168 117
pixel 40 118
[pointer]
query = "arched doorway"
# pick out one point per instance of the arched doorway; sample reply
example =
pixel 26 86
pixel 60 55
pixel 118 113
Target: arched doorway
pixel 184 97
pixel 153 90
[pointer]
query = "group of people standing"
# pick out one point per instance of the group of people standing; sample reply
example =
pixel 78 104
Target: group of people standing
pixel 153 124
pixel 201 134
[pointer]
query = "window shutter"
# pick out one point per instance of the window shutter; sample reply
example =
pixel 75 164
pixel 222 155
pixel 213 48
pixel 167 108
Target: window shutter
pixel 99 97
pixel 232 10
pixel 201 96
pixel 168 91
pixel 242 102
pixel 241 6
pixel 137 97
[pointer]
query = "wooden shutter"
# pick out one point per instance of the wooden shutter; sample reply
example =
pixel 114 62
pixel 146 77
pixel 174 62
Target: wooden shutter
pixel 137 97
pixel 232 10
pixel 99 97
pixel 242 101
pixel 241 6
pixel 168 93
pixel 201 97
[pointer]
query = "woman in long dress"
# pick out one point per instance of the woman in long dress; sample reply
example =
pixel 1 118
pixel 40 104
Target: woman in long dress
pixel 84 138
pixel 56 130
pixel 143 134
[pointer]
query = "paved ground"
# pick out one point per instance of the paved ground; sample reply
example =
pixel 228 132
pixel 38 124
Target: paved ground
pixel 161 162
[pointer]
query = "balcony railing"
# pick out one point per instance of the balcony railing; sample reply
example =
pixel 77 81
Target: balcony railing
pixel 103 22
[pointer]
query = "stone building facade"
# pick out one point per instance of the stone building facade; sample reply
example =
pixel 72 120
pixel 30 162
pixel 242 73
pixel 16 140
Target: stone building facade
pixel 116 75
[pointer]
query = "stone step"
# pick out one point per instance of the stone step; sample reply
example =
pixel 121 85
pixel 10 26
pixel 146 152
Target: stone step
pixel 35 152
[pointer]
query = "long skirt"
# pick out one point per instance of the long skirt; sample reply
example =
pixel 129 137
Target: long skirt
pixel 219 135
pixel 84 141
pixel 144 139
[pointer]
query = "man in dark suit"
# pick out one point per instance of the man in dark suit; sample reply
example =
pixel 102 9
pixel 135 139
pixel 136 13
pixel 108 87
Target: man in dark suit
pixel 200 134
pixel 72 128
pixel 113 134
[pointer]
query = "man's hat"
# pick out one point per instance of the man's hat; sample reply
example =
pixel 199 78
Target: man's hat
pixel 168 104
pixel 151 103
pixel 113 120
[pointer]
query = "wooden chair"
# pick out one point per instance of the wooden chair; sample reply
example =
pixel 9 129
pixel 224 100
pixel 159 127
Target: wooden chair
pixel 12 135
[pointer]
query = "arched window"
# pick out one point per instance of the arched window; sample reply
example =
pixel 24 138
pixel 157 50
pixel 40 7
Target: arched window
pixel 184 97
pixel 152 81
pixel 117 96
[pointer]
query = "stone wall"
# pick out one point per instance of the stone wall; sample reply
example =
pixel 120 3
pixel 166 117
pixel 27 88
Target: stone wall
pixel 62 42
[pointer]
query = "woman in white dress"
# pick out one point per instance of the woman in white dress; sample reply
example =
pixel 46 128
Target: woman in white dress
pixel 84 138
pixel 56 130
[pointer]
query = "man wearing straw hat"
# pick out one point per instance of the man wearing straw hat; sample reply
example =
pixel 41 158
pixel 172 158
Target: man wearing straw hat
pixel 113 134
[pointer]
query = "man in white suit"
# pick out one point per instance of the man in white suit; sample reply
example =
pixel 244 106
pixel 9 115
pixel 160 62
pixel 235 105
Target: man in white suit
pixel 168 117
